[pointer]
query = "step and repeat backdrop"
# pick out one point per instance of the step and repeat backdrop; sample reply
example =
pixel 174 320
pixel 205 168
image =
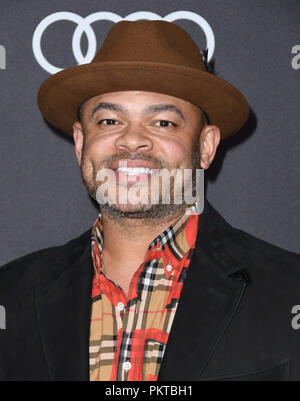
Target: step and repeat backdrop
pixel 254 179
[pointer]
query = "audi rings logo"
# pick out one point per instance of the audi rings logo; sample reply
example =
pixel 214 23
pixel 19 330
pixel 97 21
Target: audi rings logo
pixel 84 26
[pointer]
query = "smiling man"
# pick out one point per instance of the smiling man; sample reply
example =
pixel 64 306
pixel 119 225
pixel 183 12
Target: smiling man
pixel 144 130
pixel 161 287
pixel 150 132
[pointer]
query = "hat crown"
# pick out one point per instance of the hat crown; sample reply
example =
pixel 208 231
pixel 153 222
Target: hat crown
pixel 150 41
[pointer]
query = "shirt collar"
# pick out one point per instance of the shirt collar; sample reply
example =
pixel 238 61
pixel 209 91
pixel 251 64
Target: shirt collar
pixel 172 244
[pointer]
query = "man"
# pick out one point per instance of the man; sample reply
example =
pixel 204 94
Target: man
pixel 155 290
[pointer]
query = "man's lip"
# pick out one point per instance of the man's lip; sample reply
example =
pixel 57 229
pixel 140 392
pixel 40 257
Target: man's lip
pixel 132 163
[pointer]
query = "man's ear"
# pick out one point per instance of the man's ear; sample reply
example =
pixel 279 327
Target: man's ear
pixel 78 140
pixel 209 141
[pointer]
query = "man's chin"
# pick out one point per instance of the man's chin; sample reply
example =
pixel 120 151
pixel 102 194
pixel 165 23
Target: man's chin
pixel 139 211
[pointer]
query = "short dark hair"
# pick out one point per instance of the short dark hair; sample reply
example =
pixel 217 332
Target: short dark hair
pixel 205 118
pixel 79 111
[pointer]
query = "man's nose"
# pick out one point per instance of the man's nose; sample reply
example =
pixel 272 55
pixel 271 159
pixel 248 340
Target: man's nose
pixel 134 138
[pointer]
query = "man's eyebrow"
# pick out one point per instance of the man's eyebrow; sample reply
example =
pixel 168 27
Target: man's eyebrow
pixel 155 108
pixel 108 106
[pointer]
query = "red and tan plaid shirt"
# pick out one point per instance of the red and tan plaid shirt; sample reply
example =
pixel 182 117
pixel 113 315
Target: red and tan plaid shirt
pixel 128 336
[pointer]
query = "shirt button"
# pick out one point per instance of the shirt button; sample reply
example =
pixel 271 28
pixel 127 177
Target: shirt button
pixel 120 306
pixel 127 366
pixel 169 268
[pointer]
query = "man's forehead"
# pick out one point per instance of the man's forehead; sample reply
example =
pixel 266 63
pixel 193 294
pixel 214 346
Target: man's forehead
pixel 140 100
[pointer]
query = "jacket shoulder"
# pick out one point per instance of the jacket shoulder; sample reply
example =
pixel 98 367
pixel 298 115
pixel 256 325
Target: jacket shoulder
pixel 42 263
pixel 263 252
pixel 239 247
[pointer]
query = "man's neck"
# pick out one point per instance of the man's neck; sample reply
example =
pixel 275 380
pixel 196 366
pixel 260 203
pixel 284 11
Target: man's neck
pixel 126 234
pixel 125 242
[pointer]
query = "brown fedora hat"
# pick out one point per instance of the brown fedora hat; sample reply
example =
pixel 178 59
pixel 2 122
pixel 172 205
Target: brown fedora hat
pixel 155 56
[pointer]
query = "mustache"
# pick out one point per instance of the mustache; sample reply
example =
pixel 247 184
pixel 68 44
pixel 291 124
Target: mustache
pixel 159 164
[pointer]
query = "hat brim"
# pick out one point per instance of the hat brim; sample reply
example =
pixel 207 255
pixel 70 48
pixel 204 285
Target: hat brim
pixel 62 93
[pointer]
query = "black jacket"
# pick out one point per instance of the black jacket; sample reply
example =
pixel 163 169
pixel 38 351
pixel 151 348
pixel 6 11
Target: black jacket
pixel 233 321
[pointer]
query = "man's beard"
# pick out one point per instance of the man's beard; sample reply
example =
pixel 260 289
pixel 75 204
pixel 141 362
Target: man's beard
pixel 139 211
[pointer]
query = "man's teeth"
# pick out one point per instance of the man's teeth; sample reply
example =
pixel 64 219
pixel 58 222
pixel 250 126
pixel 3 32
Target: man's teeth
pixel 135 170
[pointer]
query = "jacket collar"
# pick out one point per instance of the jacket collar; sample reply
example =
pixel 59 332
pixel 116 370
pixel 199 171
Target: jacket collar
pixel 218 243
pixel 212 291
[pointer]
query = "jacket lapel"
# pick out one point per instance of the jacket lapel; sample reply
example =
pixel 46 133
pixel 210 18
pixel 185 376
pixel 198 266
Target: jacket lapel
pixel 63 308
pixel 212 291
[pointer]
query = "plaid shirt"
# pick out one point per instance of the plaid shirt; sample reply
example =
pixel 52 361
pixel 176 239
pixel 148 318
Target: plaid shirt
pixel 128 336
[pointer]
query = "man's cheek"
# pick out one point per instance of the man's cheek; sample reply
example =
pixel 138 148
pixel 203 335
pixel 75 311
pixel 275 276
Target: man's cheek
pixel 180 152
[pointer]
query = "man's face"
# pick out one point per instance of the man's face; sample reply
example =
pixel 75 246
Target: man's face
pixel 145 132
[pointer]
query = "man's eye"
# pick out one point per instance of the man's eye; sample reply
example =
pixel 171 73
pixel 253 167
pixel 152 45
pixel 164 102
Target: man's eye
pixel 108 122
pixel 165 123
